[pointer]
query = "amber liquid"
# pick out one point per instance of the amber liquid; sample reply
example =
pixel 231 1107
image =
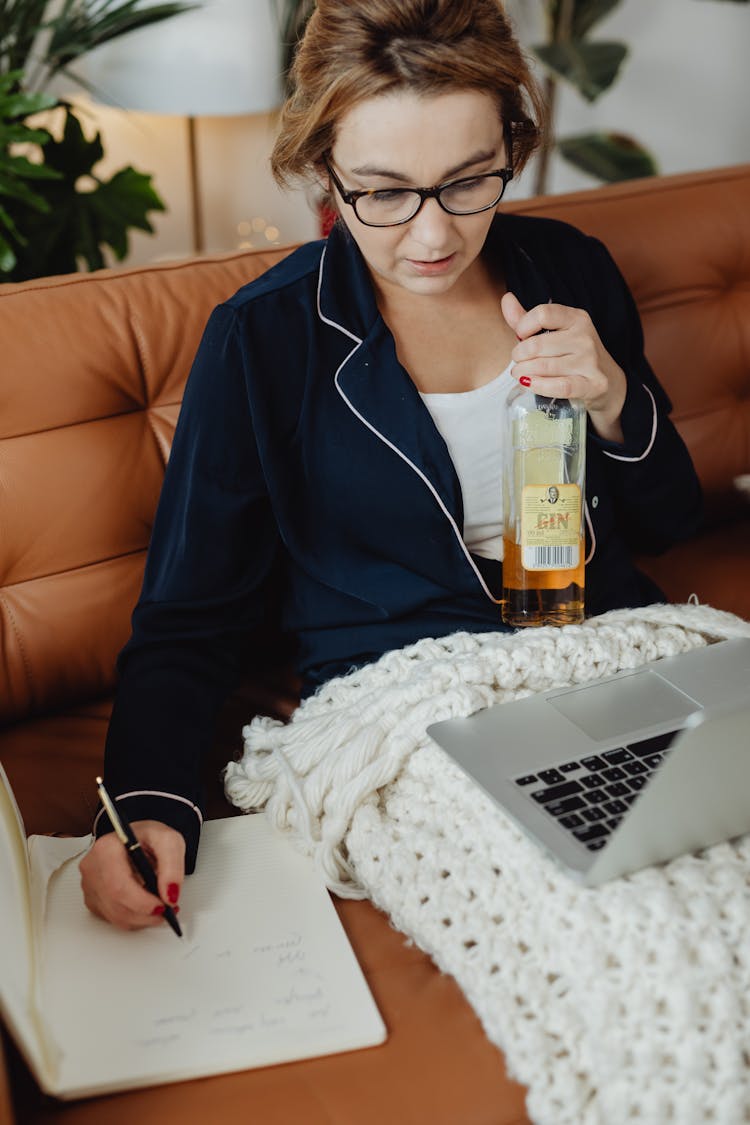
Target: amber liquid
pixel 540 597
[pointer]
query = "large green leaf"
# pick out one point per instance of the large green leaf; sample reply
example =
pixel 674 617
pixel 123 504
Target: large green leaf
pixel 608 156
pixel 15 169
pixel 588 13
pixel 591 67
pixel 573 19
pixel 121 203
pixel 19 133
pixel 24 168
pixel 14 103
pixel 21 105
pixel 13 187
pixel 74 155
pixel 78 224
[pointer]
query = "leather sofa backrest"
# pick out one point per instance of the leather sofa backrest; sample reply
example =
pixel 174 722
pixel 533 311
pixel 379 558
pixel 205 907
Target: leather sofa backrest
pixel 683 244
pixel 92 369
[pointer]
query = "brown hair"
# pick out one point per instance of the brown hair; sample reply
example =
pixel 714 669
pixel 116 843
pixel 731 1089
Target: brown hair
pixel 357 49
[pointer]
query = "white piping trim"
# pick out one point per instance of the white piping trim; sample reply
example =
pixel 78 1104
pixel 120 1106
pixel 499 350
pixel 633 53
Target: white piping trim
pixel 325 319
pixel 396 450
pixel 152 793
pixel 592 533
pixel 426 480
pixel 649 447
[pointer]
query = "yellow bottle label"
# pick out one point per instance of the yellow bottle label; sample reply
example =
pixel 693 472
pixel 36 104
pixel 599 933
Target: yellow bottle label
pixel 537 429
pixel 551 526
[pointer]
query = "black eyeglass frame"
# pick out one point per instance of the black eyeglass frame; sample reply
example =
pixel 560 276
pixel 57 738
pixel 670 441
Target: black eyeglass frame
pixel 352 197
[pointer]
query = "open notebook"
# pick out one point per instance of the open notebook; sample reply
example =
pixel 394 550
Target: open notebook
pixel 263 974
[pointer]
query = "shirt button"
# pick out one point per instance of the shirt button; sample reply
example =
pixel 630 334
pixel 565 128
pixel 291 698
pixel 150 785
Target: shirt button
pixel 594 501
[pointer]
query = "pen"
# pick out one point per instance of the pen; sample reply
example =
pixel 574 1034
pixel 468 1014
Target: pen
pixel 136 854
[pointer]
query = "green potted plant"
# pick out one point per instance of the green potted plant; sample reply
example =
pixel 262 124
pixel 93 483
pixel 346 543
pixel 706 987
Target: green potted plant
pixel 55 211
pixel 591 65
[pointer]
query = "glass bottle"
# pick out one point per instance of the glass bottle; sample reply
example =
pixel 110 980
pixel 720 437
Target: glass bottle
pixel 543 490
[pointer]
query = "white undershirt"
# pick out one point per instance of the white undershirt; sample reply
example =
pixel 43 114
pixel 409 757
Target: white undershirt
pixel 471 424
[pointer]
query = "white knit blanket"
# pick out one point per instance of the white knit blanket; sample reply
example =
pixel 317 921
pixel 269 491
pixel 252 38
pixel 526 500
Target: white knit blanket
pixel 627 1002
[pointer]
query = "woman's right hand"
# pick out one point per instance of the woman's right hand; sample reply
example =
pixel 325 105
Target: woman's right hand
pixel 111 888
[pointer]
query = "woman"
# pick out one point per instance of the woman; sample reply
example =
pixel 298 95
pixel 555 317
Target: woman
pixel 336 464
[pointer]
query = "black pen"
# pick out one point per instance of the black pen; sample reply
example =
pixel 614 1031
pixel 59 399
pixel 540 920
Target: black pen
pixel 136 854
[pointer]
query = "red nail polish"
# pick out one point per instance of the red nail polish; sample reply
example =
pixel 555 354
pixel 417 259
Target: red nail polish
pixel 173 893
pixel 525 381
pixel 158 910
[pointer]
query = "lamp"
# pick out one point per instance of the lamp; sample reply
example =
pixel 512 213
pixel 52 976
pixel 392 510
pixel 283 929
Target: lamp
pixel 221 59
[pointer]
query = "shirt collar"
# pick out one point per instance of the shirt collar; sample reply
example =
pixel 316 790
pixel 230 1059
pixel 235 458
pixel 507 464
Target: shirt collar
pixel 346 296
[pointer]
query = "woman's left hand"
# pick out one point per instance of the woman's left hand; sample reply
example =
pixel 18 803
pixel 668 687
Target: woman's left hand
pixel 560 354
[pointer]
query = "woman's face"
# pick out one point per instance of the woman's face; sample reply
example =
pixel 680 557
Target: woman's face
pixel 403 140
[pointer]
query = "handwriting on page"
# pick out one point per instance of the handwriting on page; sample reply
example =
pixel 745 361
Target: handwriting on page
pixel 290 992
pixel 263 974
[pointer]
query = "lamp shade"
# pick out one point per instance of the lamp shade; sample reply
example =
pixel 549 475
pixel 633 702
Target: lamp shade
pixel 221 58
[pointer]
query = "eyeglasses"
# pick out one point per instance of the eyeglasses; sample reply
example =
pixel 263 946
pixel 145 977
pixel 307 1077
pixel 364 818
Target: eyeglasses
pixel 390 207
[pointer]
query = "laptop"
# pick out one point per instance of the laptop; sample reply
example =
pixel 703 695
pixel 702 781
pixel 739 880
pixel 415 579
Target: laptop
pixel 623 772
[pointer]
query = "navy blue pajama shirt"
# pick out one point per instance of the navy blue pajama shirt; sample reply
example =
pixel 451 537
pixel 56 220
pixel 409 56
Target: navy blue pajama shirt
pixel 309 491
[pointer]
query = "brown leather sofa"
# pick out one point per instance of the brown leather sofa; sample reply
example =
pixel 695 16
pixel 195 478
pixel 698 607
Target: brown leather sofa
pixel 91 374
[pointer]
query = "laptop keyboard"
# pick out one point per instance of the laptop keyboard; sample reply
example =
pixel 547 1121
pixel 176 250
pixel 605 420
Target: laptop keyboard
pixel 589 796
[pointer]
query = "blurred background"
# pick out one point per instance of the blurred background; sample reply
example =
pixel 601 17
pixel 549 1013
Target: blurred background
pixel 666 80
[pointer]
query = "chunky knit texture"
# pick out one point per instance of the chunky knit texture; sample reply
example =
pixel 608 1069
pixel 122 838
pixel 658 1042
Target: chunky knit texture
pixel 627 1002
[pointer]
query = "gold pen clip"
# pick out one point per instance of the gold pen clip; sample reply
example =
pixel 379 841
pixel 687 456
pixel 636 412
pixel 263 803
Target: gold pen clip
pixel 111 812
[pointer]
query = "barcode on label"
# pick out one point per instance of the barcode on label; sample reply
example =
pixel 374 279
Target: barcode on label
pixel 550 558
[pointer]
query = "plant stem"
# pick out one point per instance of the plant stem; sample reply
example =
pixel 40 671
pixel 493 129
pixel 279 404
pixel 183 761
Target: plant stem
pixel 560 15
pixel 564 30
pixel 542 165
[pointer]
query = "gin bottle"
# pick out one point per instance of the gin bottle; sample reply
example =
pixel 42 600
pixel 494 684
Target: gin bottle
pixel 543 490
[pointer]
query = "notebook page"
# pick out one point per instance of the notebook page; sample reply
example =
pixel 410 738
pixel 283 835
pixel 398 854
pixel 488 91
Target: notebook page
pixel 17 937
pixel 263 974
